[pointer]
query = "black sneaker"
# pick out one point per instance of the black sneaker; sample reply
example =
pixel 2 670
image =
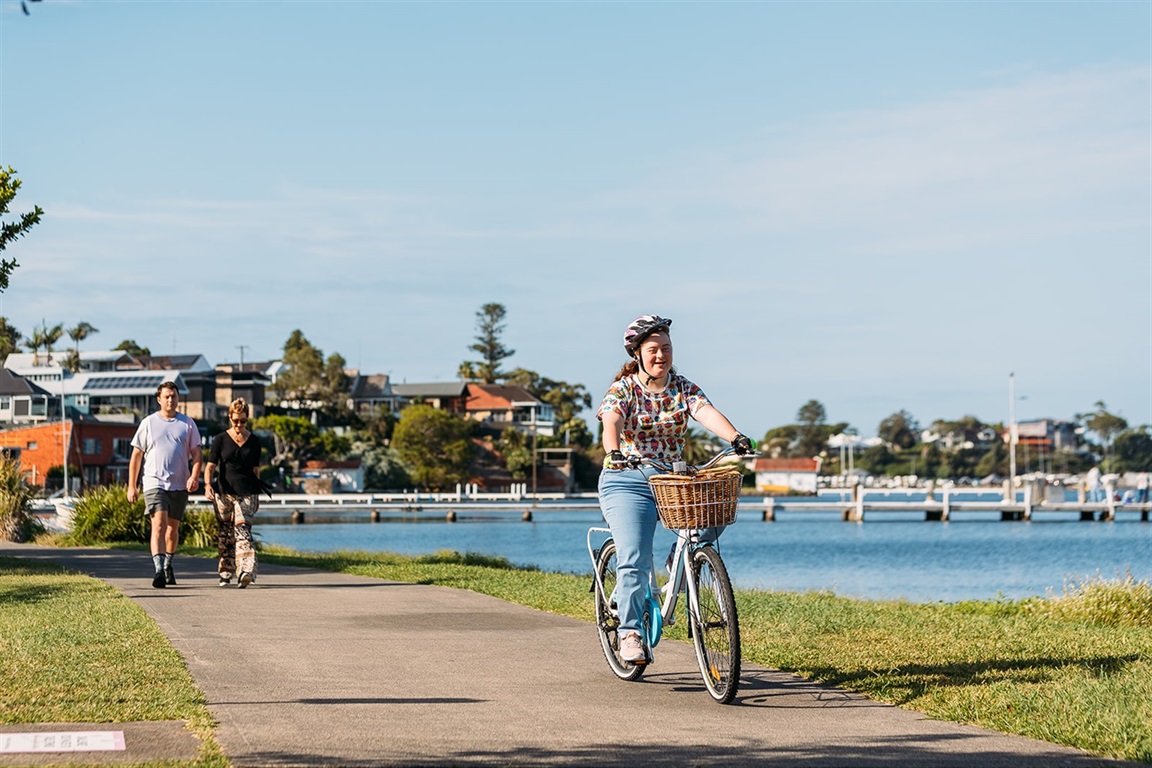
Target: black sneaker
pixel 224 581
pixel 158 581
pixel 169 577
pixel 245 579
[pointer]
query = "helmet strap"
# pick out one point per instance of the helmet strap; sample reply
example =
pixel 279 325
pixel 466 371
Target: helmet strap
pixel 640 365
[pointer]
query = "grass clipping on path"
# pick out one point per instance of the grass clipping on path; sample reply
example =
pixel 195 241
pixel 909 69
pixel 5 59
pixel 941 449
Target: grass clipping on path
pixel 73 649
pixel 1073 670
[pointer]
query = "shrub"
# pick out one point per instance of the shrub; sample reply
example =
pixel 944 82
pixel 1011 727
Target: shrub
pixel 103 513
pixel 198 528
pixel 16 524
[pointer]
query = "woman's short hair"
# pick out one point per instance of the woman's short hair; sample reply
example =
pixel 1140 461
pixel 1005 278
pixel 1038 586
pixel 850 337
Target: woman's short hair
pixel 239 405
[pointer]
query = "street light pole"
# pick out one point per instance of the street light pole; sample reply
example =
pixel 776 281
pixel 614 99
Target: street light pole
pixel 533 455
pixel 1012 432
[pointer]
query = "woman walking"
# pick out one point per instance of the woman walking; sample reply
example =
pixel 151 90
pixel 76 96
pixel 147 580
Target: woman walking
pixel 236 496
pixel 645 414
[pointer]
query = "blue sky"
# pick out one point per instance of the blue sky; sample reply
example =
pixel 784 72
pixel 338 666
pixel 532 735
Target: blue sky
pixel 880 206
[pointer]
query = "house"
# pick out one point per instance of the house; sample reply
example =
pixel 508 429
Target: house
pixel 25 402
pixel 123 396
pixel 199 377
pixel 332 477
pixel 1046 435
pixel 786 475
pixel 498 406
pixel 372 393
pixel 446 396
pixel 99 451
pixel 247 380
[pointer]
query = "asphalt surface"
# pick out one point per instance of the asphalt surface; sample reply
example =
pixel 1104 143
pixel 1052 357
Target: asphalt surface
pixel 310 668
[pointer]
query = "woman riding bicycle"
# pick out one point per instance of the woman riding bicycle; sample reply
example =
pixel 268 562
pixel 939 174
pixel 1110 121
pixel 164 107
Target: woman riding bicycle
pixel 645 413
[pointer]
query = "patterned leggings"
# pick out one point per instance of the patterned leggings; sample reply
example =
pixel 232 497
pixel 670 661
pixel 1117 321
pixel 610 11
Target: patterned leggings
pixel 234 515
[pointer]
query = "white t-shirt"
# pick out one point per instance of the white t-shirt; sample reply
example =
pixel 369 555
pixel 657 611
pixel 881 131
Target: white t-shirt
pixel 167 445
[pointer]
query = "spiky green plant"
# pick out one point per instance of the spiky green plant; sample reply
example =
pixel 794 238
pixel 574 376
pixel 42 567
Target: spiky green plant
pixel 16 524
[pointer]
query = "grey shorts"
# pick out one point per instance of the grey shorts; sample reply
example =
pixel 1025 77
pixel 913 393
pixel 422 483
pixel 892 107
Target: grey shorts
pixel 173 502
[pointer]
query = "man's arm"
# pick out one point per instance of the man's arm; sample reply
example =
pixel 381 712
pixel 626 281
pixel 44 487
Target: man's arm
pixel 197 462
pixel 134 465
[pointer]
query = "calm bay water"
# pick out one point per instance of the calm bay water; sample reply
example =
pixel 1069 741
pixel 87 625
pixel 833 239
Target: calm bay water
pixel 889 556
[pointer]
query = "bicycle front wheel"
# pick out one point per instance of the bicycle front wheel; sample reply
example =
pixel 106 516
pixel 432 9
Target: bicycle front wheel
pixel 607 615
pixel 715 628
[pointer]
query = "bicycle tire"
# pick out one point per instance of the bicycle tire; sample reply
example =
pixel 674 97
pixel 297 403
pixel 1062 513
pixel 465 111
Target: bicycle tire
pixel 715 625
pixel 607 619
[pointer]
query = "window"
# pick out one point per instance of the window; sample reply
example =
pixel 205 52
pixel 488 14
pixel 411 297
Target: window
pixel 121 448
pixel 5 402
pixel 32 445
pixel 90 445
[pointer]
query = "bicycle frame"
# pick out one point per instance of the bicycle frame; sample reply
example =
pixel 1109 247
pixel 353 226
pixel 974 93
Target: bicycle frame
pixel 678 579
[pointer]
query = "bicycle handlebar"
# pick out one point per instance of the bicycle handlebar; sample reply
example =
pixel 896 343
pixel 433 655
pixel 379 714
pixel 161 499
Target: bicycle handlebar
pixel 680 467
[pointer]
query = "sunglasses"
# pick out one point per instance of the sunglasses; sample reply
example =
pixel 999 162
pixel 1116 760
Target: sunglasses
pixel 239 421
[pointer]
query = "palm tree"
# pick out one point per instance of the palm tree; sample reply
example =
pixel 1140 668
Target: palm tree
pixel 51 336
pixel 82 331
pixel 34 344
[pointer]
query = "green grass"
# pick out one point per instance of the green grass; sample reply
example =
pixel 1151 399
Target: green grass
pixel 1074 669
pixel 73 649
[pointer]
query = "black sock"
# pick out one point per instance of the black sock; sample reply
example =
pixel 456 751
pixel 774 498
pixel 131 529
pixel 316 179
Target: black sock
pixel 158 561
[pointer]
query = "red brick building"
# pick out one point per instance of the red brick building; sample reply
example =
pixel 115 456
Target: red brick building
pixel 98 451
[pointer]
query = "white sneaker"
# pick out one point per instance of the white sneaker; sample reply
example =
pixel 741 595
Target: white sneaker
pixel 631 649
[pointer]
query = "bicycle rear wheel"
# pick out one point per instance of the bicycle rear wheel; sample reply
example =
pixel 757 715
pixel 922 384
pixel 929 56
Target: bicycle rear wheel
pixel 607 617
pixel 715 627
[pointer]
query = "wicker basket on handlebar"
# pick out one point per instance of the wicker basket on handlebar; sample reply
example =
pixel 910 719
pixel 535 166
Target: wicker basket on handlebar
pixel 703 500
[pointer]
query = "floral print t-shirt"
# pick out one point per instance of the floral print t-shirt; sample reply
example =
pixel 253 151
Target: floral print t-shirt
pixel 654 423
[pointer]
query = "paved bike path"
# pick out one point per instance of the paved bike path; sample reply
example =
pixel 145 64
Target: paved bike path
pixel 309 668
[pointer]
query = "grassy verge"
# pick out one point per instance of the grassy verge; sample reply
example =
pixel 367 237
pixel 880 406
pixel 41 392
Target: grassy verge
pixel 73 649
pixel 1073 670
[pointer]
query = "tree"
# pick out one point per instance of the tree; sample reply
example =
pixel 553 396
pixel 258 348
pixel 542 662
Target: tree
pixel 82 331
pixel 334 389
pixel 303 370
pixel 517 454
pixel 490 324
pixel 12 230
pixel 9 339
pixel 131 347
pixel 293 438
pixel 1132 451
pixel 899 430
pixel 811 438
pixel 51 336
pixel 1104 424
pixel 435 446
pixel 34 344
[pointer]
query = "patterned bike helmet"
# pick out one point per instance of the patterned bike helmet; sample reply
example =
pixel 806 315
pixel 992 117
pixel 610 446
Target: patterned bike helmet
pixel 640 329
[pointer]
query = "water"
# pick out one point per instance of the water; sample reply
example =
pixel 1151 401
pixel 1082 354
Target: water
pixel 890 556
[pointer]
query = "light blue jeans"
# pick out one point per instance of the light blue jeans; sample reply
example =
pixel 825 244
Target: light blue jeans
pixel 630 511
pixel 629 508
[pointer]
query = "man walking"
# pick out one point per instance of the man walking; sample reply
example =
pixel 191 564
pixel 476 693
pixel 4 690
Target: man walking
pixel 165 444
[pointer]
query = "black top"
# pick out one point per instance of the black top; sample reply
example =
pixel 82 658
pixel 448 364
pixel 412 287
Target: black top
pixel 236 464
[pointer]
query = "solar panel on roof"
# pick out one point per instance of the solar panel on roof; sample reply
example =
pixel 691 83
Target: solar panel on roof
pixel 123 382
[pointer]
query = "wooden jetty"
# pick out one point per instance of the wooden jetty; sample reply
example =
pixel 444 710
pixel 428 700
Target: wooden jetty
pixel 858 509
pixel 939 506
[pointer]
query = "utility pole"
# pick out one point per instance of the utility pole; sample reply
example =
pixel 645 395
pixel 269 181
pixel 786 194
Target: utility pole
pixel 1012 433
pixel 242 347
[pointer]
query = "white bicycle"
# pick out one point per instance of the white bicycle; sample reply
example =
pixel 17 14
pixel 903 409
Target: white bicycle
pixel 688 499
